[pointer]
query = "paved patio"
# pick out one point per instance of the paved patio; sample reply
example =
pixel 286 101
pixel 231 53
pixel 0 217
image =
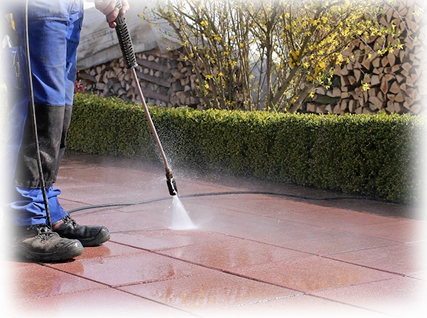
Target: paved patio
pixel 258 249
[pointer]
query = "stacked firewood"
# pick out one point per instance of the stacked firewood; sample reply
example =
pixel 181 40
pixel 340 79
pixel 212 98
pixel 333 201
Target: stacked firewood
pixel 165 79
pixel 393 81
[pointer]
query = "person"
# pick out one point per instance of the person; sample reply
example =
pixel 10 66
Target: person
pixel 54 34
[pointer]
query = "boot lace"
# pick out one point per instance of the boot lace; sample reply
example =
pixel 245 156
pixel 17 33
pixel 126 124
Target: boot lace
pixel 68 220
pixel 43 231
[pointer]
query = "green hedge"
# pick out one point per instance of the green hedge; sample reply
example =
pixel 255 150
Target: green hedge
pixel 377 155
pixel 373 155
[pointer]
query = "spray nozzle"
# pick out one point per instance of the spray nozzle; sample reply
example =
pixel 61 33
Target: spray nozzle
pixel 170 181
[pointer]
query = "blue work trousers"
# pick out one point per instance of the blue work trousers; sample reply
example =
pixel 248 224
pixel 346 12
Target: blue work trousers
pixel 54 34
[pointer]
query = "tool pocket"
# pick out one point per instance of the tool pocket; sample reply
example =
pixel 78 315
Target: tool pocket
pixel 12 67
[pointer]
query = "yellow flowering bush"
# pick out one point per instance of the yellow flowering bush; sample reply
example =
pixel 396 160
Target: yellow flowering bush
pixel 270 54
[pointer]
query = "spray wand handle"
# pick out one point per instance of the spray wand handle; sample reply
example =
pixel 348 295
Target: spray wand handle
pixel 125 39
pixel 126 46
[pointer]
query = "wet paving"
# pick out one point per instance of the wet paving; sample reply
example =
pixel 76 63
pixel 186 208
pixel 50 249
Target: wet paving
pixel 257 249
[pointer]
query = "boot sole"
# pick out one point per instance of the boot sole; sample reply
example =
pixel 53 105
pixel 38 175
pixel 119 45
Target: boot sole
pixel 102 236
pixel 73 250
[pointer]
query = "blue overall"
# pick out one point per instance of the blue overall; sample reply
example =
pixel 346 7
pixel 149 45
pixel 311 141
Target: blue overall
pixel 54 33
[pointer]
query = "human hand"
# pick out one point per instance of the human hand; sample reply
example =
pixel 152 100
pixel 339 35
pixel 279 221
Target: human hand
pixel 108 7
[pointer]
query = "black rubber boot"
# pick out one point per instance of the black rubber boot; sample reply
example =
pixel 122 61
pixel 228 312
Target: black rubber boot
pixel 38 243
pixel 50 130
pixel 62 145
pixel 87 235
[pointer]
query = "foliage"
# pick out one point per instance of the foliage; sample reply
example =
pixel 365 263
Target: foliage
pixel 374 155
pixel 252 54
pixel 109 126
pixel 383 156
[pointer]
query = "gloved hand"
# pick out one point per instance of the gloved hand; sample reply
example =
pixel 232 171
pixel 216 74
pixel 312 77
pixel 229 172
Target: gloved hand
pixel 108 7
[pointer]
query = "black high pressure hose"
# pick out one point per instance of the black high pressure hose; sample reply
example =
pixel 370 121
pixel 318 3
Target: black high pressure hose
pixel 283 195
pixel 32 113
pixel 195 195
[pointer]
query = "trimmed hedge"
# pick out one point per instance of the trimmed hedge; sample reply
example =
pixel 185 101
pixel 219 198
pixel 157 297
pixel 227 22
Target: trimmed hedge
pixel 376 155
pixel 373 155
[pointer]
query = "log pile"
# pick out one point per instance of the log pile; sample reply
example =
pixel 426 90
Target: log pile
pixel 165 79
pixel 394 79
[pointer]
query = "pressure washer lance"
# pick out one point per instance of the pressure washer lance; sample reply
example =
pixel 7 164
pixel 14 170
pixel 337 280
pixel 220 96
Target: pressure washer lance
pixel 126 46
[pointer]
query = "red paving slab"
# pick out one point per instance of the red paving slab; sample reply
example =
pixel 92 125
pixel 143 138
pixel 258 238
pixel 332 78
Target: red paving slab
pixel 399 296
pixel 402 230
pixel 258 249
pixel 37 281
pixel 312 274
pixel 234 253
pixel 141 267
pixel 94 303
pixel 295 306
pixel 402 259
pixel 199 294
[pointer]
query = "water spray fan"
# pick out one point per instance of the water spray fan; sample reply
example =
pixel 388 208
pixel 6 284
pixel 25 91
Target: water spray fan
pixel 126 46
